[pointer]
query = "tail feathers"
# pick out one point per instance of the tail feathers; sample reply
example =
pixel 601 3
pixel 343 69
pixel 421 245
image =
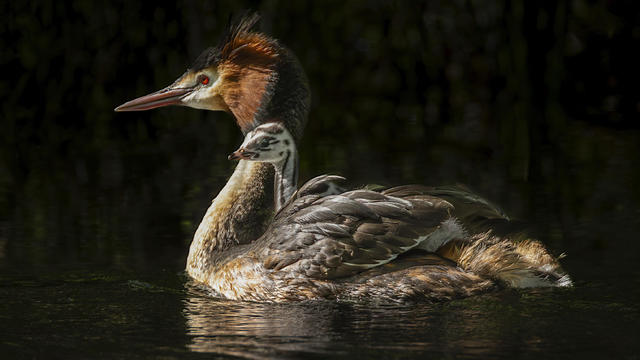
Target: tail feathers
pixel 520 265
pixel 467 203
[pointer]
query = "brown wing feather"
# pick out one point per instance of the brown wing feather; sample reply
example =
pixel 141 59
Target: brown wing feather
pixel 466 202
pixel 340 235
pixel 313 189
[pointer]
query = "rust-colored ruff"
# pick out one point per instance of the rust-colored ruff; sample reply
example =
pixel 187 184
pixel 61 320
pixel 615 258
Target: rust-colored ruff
pixel 247 73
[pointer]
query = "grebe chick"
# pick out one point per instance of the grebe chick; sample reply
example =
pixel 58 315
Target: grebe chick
pixel 273 143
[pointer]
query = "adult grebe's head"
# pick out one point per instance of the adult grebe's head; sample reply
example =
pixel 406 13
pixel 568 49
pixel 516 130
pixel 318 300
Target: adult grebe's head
pixel 248 74
pixel 270 142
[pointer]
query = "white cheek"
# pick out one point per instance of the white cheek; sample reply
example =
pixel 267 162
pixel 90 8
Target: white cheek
pixel 204 98
pixel 197 100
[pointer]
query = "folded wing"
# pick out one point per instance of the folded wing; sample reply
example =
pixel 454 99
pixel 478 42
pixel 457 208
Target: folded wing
pixel 335 236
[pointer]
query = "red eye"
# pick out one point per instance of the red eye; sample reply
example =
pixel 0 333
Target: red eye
pixel 204 80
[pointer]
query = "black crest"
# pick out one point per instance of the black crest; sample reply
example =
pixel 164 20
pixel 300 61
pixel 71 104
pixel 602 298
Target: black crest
pixel 228 43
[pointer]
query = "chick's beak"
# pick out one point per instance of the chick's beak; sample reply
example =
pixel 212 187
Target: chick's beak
pixel 171 95
pixel 241 154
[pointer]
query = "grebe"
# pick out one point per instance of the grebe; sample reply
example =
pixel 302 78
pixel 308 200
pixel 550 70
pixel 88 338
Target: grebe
pixel 272 143
pixel 359 244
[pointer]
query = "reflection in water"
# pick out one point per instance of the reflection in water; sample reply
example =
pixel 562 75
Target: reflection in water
pixel 262 330
pixel 497 325
pixel 242 328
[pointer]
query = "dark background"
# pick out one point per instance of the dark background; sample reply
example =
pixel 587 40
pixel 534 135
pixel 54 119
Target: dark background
pixel 534 104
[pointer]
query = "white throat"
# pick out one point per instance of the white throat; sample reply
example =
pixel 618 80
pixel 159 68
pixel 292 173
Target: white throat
pixel 286 178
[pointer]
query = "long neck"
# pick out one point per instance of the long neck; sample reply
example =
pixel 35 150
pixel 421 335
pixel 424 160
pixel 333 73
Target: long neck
pixel 286 178
pixel 238 215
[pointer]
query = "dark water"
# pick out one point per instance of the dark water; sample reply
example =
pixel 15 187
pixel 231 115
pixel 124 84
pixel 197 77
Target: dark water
pixel 531 104
pixel 90 313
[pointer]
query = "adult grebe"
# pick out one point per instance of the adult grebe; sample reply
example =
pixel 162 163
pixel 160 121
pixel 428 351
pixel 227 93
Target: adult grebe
pixel 354 245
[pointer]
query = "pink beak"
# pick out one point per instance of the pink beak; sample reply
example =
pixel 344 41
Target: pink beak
pixel 165 97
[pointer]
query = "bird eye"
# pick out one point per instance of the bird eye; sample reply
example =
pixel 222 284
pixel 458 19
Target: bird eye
pixel 204 80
